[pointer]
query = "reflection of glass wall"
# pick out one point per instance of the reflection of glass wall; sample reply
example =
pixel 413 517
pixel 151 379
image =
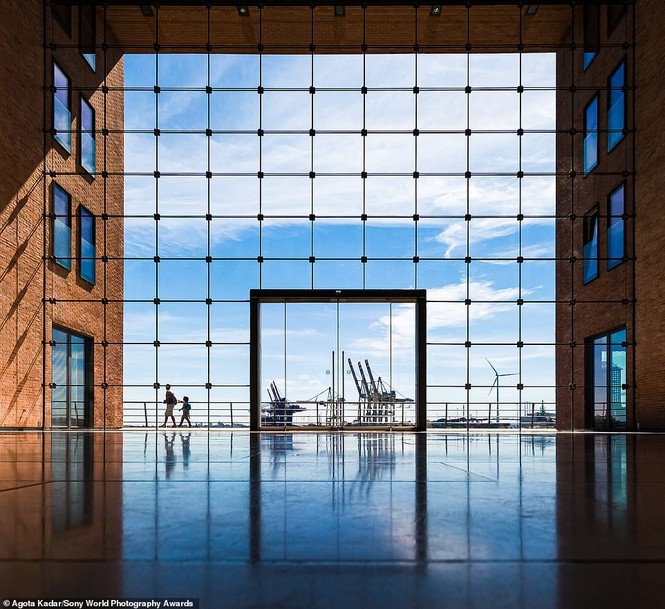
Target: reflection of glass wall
pixel 70 403
pixel 608 371
pixel 71 467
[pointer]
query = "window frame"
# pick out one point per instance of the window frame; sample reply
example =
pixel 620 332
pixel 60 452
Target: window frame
pixel 65 261
pixel 614 261
pixel 91 278
pixel 595 100
pixel 62 136
pixel 590 235
pixel 614 96
pixel 85 132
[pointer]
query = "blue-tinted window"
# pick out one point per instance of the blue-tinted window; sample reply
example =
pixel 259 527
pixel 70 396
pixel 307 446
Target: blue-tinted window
pixel 87 137
pixel 591 135
pixel 87 245
pixel 62 227
pixel 590 250
pixel 616 111
pixel 62 110
pixel 615 228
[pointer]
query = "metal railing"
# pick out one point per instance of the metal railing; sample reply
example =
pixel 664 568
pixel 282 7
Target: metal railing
pixel 322 414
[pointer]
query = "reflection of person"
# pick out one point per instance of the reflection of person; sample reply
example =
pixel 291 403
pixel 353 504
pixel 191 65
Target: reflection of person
pixel 185 449
pixel 186 407
pixel 170 458
pixel 170 400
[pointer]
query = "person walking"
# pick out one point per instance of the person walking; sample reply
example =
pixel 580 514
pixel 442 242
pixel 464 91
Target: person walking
pixel 186 407
pixel 170 400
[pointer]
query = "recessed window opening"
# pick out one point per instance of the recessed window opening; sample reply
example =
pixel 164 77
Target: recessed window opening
pixel 87 256
pixel 62 109
pixel 87 134
pixel 616 107
pixel 616 228
pixel 590 238
pixel 62 227
pixel 591 135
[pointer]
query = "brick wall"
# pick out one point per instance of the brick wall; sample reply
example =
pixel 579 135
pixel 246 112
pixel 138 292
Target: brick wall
pixel 29 164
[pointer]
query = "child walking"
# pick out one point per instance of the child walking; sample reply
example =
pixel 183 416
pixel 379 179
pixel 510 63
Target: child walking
pixel 186 407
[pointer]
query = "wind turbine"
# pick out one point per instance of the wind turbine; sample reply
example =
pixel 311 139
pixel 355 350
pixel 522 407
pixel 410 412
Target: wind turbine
pixel 496 382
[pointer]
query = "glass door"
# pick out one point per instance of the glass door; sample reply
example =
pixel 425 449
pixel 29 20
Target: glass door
pixel 608 371
pixel 70 405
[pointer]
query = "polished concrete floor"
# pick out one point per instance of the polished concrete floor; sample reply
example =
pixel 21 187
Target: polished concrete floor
pixel 343 521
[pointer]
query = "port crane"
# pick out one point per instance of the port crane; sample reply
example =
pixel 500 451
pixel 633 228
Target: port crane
pixel 376 400
pixel 279 411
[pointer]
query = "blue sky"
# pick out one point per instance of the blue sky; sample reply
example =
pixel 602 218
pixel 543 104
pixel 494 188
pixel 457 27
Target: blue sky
pixel 390 238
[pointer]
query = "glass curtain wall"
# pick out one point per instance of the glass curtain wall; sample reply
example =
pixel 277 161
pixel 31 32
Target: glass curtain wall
pixel 353 171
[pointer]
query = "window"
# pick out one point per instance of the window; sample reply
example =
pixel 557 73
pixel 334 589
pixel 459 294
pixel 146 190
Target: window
pixel 63 15
pixel 591 135
pixel 616 112
pixel 615 228
pixel 590 250
pixel 71 381
pixel 591 33
pixel 606 373
pixel 62 227
pixel 86 245
pixel 87 136
pixel 62 111
pixel 87 32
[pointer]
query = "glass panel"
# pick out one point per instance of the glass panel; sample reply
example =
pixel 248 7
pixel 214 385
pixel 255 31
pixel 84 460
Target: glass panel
pixel 87 251
pixel 588 58
pixel 87 137
pixel 591 260
pixel 62 243
pixel 600 383
pixel 591 139
pixel 616 111
pixel 590 252
pixel 62 116
pixel 617 380
pixel 77 383
pixel 59 377
pixel 615 229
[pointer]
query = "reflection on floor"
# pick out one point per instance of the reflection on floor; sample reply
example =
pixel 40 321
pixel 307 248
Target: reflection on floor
pixel 403 520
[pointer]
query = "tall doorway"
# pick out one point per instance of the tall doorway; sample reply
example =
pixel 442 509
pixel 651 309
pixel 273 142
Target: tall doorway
pixel 71 401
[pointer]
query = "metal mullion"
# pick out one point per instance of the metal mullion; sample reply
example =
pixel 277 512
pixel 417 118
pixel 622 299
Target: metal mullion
pixel 311 157
pixel 208 233
pixel 364 152
pixel 104 224
pixel 468 228
pixel 156 385
pixel 520 226
pixel 415 153
pixel 260 215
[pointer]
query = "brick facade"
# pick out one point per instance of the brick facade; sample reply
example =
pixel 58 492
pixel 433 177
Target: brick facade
pixel 30 162
pixel 629 295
